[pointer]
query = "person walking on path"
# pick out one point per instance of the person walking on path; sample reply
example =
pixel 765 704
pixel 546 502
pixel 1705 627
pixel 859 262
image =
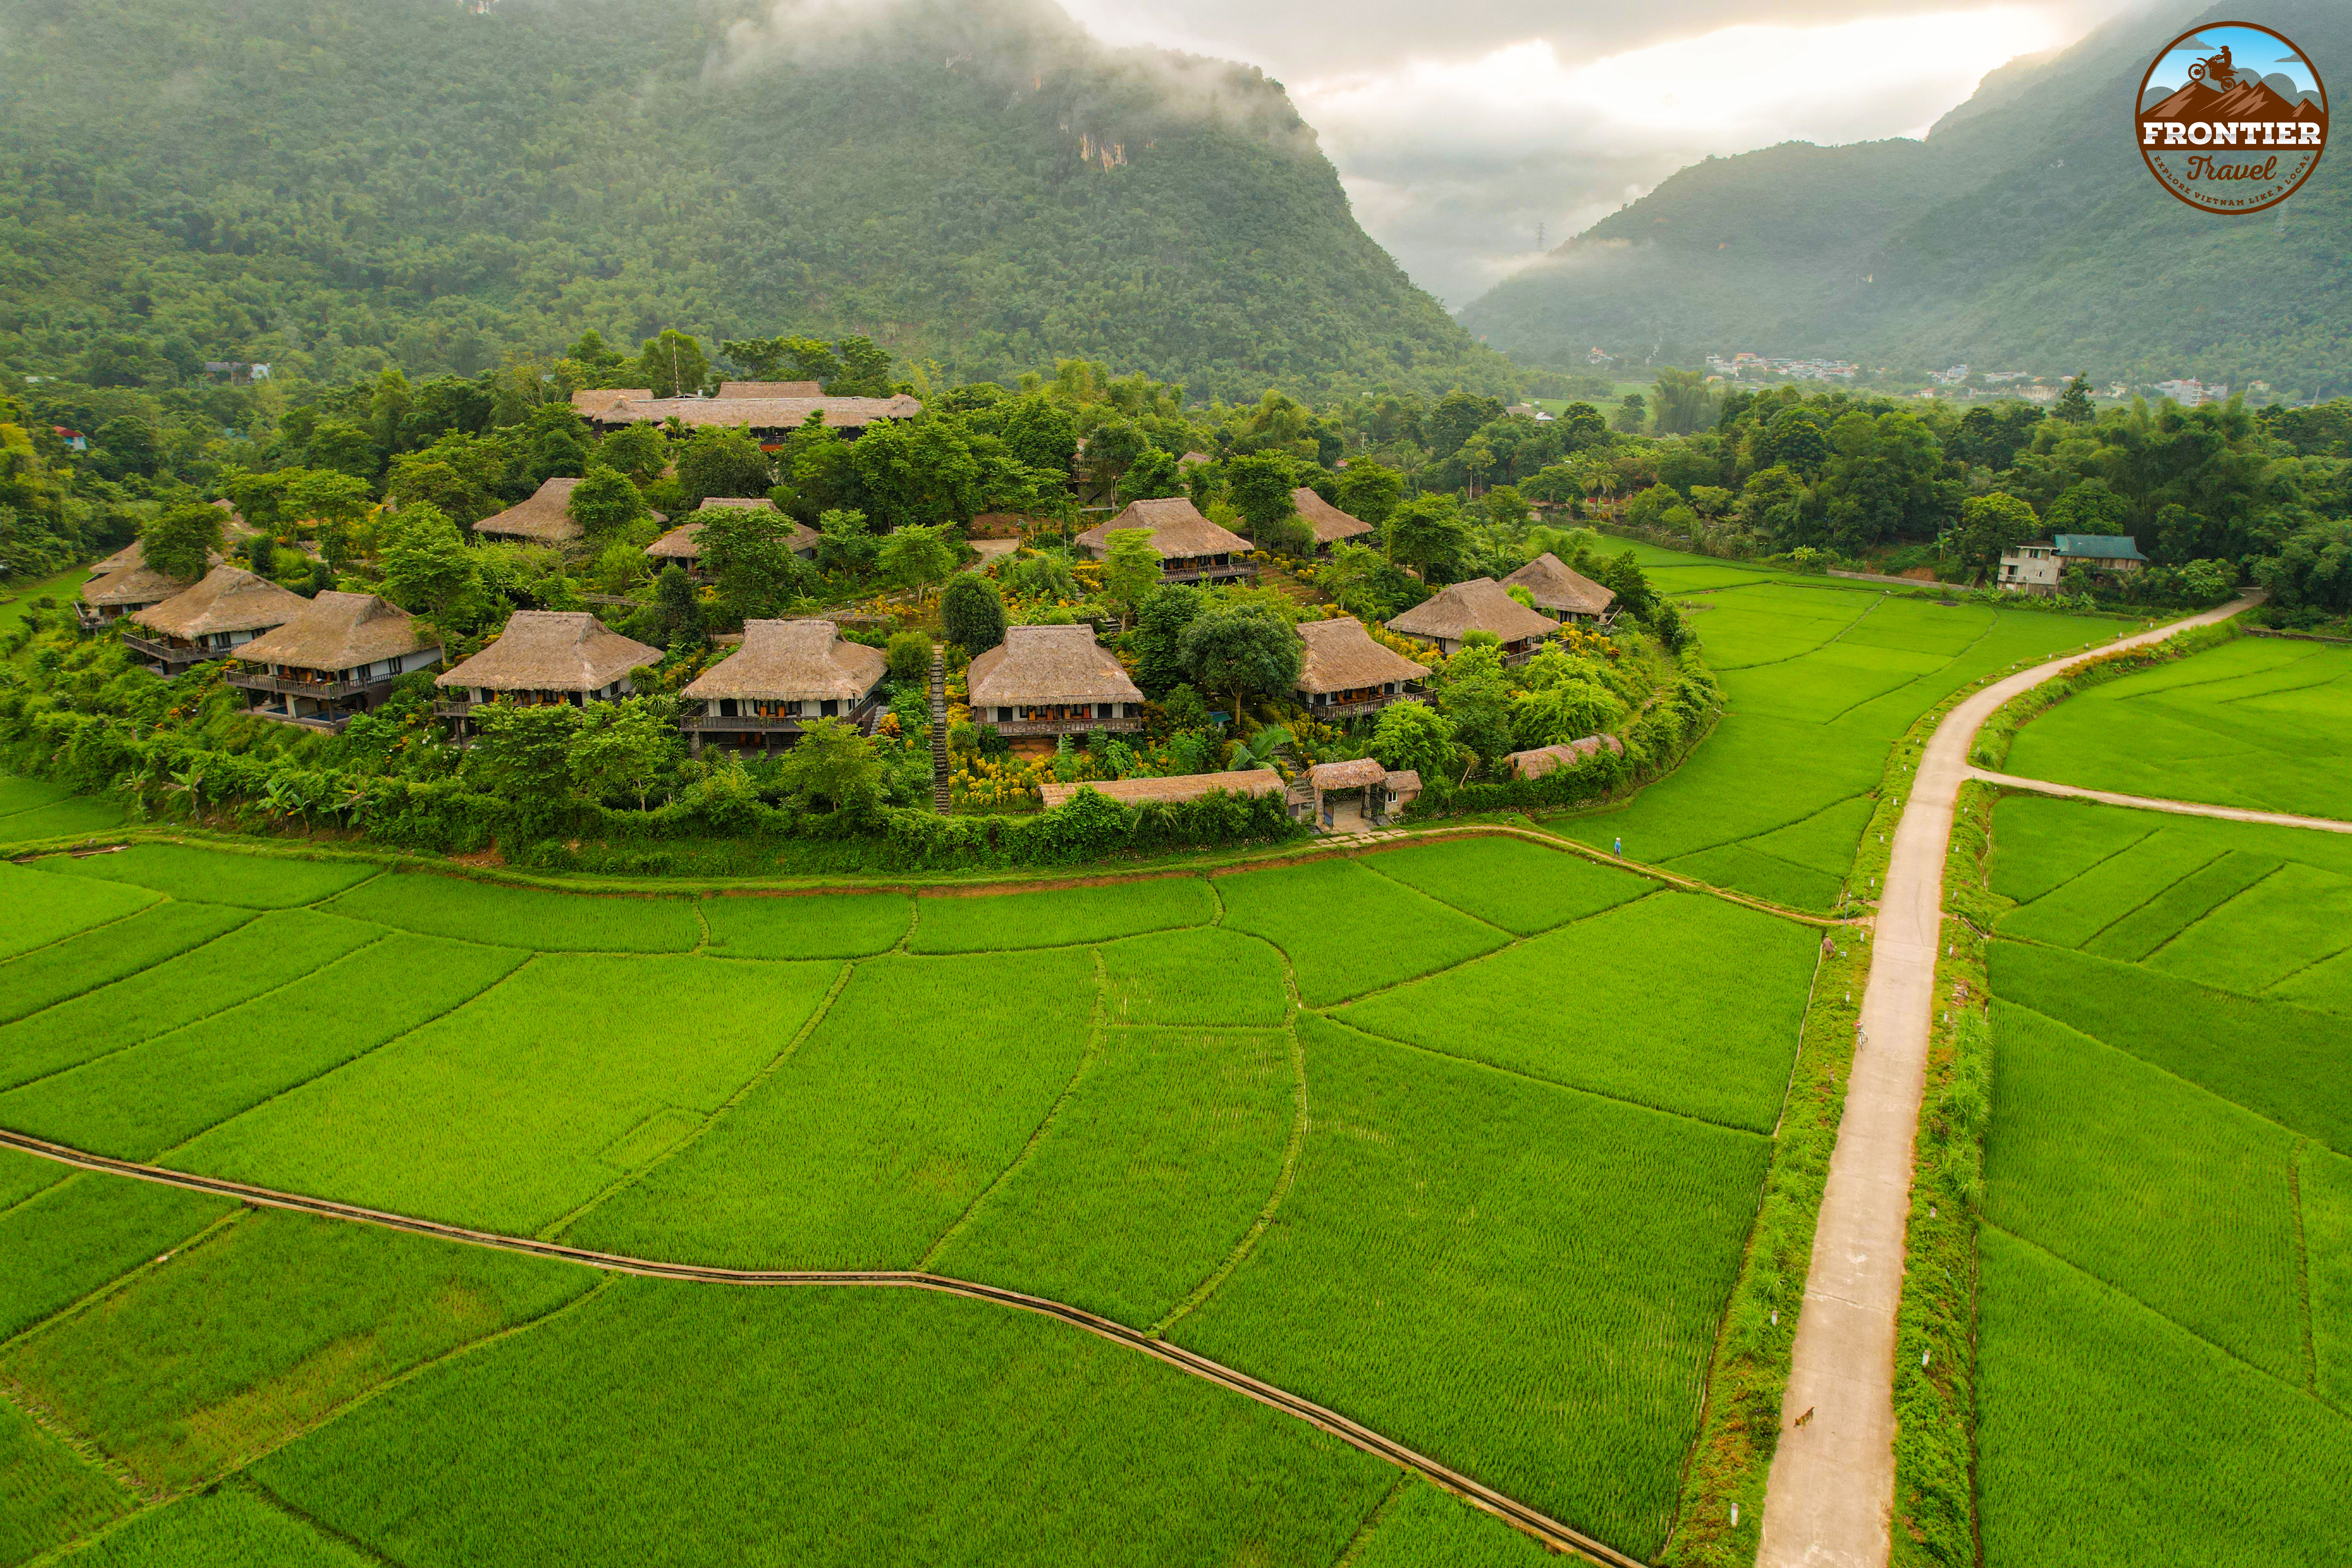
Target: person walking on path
pixel 1621 846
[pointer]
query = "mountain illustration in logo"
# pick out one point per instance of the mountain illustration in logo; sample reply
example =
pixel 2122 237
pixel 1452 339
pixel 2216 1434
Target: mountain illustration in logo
pixel 2249 98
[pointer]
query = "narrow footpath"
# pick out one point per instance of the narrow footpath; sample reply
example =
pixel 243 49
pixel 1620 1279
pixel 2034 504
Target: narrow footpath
pixel 1561 1538
pixel 2149 803
pixel 1830 1497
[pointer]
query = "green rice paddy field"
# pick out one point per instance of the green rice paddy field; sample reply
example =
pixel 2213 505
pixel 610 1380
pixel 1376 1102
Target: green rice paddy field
pixel 1462 1139
pixel 2263 722
pixel 2164 1307
pixel 1820 682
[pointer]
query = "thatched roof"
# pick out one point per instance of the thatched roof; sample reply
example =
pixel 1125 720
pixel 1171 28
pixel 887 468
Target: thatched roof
pixel 1554 586
pixel 1329 523
pixel 234 528
pixel 1194 460
pixel 545 518
pixel 1352 774
pixel 758 413
pixel 1405 782
pixel 552 650
pixel 123 560
pixel 1342 656
pixel 1542 760
pixel 793 661
pixel 1481 605
pixel 1168 790
pixel 1176 526
pixel 136 586
pixel 770 389
pixel 595 400
pixel 1048 664
pixel 339 631
pixel 230 599
pixel 680 543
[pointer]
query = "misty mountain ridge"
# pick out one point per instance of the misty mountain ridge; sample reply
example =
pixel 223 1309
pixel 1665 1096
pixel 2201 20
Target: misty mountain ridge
pixel 982 187
pixel 2024 233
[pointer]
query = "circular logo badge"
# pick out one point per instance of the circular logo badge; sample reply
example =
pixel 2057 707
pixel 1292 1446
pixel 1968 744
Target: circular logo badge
pixel 2231 117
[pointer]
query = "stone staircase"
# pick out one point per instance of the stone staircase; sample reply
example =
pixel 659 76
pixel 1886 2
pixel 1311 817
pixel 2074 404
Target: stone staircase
pixel 943 797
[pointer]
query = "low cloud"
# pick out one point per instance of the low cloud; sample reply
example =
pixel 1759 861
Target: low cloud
pixel 1455 165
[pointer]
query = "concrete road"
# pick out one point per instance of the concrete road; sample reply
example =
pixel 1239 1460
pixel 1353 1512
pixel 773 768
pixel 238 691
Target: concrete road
pixel 1831 1494
pixel 2179 807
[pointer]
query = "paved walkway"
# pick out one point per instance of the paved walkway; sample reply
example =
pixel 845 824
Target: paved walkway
pixel 2148 803
pixel 1831 1490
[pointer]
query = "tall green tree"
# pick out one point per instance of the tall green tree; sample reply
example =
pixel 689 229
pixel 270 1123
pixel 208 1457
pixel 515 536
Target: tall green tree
pixel 1130 570
pixel 723 462
pixel 1242 646
pixel 181 539
pixel 673 364
pixel 972 613
pixel 1427 533
pixel 916 557
pixel 623 748
pixel 606 505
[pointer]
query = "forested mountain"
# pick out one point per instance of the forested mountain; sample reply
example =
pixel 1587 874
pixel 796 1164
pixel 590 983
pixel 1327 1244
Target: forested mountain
pixel 2023 232
pixel 978 184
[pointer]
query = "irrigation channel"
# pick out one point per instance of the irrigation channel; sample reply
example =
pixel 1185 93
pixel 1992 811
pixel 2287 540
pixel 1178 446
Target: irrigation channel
pixel 1831 1494
pixel 1544 1528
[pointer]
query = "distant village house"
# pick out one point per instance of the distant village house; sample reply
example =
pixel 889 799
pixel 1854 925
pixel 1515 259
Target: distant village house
pixel 1330 524
pixel 2038 567
pixel 1564 591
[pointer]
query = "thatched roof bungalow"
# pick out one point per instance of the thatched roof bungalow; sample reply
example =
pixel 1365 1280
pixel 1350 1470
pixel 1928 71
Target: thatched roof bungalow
pixel 1346 673
pixel 547 656
pixel 788 674
pixel 338 658
pixel 1481 605
pixel 1173 791
pixel 1052 680
pixel 1330 524
pixel 545 518
pixel 229 607
pixel 681 547
pixel 1561 589
pixel 594 400
pixel 1191 548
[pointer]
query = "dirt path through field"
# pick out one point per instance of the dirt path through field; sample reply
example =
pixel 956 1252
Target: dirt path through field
pixel 1544 1528
pixel 2149 803
pixel 1830 1496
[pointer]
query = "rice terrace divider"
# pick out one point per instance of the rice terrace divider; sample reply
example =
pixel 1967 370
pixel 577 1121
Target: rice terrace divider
pixel 2149 803
pixel 1550 1531
pixel 1831 1491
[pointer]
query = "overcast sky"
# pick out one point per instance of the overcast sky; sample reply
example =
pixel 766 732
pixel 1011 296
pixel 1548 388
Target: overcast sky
pixel 1459 128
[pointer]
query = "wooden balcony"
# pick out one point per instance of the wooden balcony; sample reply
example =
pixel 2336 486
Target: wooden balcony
pixel 1205 572
pixel 302 686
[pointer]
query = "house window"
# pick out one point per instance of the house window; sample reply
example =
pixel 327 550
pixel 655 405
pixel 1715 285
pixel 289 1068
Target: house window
pixel 829 708
pixel 1005 715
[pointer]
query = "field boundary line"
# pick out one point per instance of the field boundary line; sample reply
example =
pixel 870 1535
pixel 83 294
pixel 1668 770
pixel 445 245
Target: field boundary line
pixel 99 1293
pixel 2085 871
pixel 2110 1286
pixel 2153 802
pixel 1097 1037
pixel 356 1056
pixel 2202 866
pixel 2208 913
pixel 1550 1083
pixel 563 1223
pixel 1992 619
pixel 218 1012
pixel 269 1498
pixel 1293 1148
pixel 1544 1528
pixel 1365 860
pixel 1374 1517
pixel 131 974
pixel 1476 958
pixel 159 901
